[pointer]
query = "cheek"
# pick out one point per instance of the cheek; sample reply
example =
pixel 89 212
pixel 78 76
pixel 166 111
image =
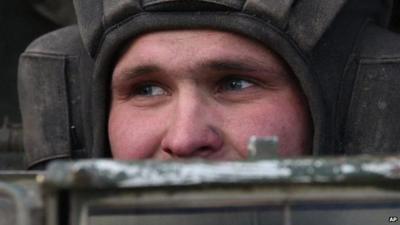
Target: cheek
pixel 133 134
pixel 287 120
pixel 251 121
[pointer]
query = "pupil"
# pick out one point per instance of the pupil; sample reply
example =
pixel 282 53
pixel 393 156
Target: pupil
pixel 235 84
pixel 146 90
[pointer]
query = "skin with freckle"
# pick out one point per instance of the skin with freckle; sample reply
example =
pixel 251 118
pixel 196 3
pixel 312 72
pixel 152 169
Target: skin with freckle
pixel 203 94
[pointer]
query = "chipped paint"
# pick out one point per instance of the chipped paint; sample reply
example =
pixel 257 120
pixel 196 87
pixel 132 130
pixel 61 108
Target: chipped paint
pixel 387 169
pixel 348 169
pixel 109 173
pixel 152 173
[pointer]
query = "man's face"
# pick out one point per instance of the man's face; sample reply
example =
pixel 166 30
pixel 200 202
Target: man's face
pixel 203 94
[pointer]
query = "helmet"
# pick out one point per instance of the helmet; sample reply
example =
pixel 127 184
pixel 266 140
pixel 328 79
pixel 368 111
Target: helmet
pixel 61 12
pixel 64 76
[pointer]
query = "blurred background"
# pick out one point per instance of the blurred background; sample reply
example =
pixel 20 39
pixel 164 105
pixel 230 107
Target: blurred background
pixel 21 21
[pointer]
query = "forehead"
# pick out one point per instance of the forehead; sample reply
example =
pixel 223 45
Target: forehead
pixel 180 49
pixel 183 52
pixel 186 38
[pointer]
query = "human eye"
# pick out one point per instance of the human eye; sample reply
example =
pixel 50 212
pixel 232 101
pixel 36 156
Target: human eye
pixel 148 90
pixel 234 84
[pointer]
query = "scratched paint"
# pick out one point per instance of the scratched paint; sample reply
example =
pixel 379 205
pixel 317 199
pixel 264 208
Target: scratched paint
pixel 109 173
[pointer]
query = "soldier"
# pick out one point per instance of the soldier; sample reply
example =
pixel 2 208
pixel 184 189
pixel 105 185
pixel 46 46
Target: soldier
pixel 203 93
pixel 181 79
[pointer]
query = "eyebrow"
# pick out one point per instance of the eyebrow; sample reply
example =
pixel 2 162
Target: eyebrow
pixel 234 65
pixel 125 76
pixel 140 70
pixel 240 65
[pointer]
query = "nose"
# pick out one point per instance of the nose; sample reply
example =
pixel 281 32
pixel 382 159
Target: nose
pixel 193 131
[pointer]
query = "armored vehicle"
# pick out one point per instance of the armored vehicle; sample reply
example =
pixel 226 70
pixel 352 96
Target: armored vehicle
pixel 347 191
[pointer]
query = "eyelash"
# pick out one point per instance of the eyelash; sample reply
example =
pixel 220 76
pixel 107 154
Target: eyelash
pixel 228 80
pixel 136 90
